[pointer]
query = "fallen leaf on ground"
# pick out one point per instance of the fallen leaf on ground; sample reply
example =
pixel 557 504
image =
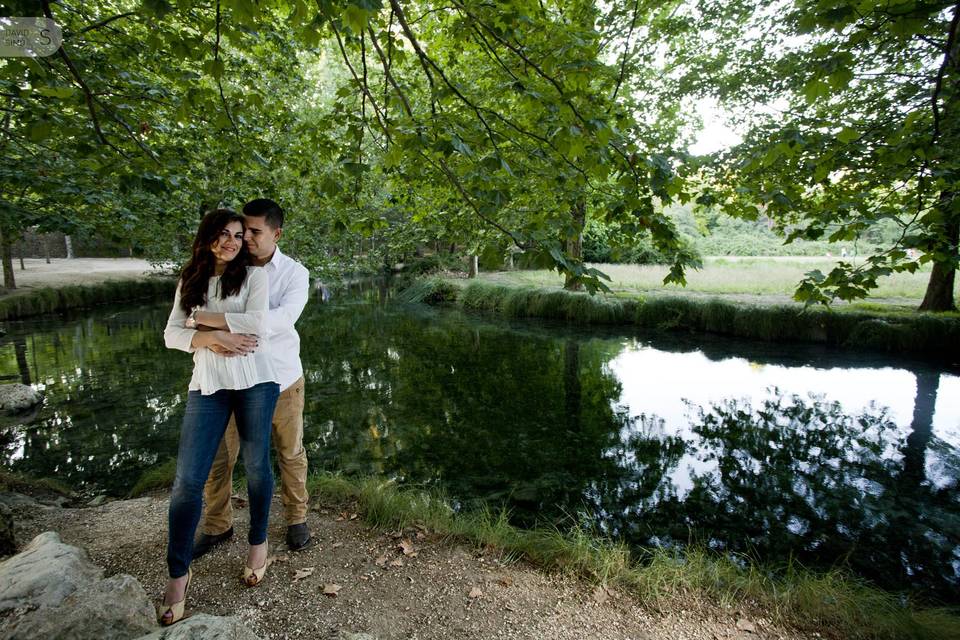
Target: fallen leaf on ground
pixel 303 573
pixel 475 592
pixel 354 516
pixel 381 560
pixel 407 548
pixel 505 581
pixel 745 625
pixel 331 590
pixel 396 563
pixel 278 558
pixel 600 595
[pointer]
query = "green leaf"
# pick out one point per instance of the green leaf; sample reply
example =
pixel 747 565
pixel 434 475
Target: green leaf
pixel 55 92
pixel 848 135
pixel 815 89
pixel 40 130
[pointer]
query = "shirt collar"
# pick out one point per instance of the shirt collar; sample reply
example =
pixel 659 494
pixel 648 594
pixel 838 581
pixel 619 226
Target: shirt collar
pixel 277 259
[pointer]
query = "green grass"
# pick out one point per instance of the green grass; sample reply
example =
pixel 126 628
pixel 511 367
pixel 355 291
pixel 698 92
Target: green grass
pixel 22 303
pixel 833 603
pixel 768 277
pixel 159 476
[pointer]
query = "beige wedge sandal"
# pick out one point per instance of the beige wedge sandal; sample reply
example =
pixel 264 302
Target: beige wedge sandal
pixel 175 611
pixel 253 577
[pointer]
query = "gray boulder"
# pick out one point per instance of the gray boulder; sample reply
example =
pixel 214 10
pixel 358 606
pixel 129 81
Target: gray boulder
pixel 18 398
pixel 204 627
pixel 44 574
pixel 52 590
pixel 113 609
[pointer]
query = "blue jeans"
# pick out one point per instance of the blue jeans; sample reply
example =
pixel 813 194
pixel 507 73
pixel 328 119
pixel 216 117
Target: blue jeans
pixel 203 426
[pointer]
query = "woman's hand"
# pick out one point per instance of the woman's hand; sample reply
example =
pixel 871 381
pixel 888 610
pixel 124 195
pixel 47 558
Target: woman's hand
pixel 236 343
pixel 226 343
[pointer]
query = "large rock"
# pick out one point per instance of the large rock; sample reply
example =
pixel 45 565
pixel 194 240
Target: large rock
pixel 44 574
pixel 204 627
pixel 52 590
pixel 113 609
pixel 18 398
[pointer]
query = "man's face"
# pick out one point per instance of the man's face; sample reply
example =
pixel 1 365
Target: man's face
pixel 261 239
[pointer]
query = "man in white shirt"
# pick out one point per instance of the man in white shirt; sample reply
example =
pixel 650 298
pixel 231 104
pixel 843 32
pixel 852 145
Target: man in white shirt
pixel 289 291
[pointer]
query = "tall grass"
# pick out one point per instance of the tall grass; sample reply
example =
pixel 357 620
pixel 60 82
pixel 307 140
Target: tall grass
pixel 21 304
pixel 922 334
pixel 834 603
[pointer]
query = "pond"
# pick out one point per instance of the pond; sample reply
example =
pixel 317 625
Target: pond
pixel 776 451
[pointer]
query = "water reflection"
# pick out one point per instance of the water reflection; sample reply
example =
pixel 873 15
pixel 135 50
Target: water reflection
pixel 778 452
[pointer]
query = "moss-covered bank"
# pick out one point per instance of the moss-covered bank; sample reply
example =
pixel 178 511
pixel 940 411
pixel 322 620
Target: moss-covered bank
pixel 21 304
pixel 927 335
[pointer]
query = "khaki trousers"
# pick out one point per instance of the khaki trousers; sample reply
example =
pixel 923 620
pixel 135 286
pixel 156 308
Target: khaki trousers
pixel 287 440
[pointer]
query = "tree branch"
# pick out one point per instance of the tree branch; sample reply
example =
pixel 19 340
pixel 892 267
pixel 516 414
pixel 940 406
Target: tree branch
pixel 223 98
pixel 105 22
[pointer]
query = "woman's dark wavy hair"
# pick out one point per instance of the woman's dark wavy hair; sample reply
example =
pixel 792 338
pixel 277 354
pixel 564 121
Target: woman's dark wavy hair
pixel 195 276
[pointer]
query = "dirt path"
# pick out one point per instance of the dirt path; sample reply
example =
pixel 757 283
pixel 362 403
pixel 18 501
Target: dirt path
pixel 61 271
pixel 437 589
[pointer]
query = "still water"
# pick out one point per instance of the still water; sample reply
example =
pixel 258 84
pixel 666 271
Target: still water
pixel 829 458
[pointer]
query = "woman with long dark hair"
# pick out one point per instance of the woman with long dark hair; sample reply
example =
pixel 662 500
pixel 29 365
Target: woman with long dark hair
pixel 232 373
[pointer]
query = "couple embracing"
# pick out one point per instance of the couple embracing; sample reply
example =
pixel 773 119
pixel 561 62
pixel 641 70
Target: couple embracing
pixel 235 308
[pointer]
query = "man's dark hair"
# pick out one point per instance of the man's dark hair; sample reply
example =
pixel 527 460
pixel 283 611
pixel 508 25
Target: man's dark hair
pixel 265 208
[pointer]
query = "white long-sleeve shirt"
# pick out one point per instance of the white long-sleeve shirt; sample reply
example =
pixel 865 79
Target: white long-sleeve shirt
pixel 289 292
pixel 245 312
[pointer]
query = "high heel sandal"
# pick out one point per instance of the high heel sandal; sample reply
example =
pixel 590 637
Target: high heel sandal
pixel 253 577
pixel 176 609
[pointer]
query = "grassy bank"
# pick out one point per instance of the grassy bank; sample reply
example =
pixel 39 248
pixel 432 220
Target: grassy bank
pixel 928 335
pixel 24 303
pixel 776 278
pixel 834 604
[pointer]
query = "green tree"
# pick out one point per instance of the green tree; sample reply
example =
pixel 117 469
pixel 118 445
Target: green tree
pixel 852 116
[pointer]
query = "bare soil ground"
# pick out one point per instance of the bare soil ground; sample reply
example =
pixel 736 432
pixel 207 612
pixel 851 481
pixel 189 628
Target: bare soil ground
pixel 62 272
pixel 409 584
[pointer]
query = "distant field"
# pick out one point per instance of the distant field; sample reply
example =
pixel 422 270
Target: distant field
pixel 770 277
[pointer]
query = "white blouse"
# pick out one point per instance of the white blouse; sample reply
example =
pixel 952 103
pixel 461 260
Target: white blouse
pixel 245 312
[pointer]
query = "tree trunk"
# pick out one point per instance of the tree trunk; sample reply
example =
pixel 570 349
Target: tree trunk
pixel 939 295
pixel 20 348
pixel 578 214
pixel 6 248
pixel 46 248
pixel 921 430
pixel 509 261
pixel 69 242
pixel 473 266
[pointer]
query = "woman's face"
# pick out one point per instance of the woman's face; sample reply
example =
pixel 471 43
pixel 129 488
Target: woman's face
pixel 228 244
